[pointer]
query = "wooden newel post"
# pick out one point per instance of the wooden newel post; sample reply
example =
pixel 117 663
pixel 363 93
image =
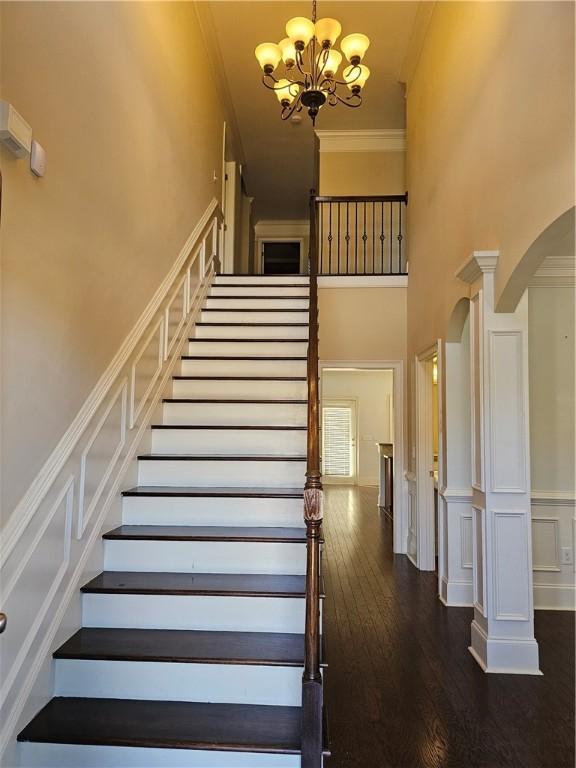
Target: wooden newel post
pixel 312 678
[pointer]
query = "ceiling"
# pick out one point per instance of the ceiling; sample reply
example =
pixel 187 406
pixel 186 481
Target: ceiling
pixel 278 155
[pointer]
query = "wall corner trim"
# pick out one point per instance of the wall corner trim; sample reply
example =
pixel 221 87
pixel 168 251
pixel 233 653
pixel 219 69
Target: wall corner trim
pixel 480 263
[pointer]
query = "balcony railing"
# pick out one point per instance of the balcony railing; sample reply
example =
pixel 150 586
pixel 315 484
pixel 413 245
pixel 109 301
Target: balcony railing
pixel 362 235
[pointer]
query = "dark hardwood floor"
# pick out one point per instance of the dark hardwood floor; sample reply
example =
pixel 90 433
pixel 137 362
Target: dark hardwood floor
pixel 402 690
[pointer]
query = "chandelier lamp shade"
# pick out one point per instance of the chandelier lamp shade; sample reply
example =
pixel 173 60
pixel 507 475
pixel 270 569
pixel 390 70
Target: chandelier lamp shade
pixel 311 63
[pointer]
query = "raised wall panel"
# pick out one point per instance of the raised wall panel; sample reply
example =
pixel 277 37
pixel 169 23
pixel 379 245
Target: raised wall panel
pixel 509 536
pixel 507 416
pixel 466 553
pixel 194 280
pixel 175 315
pixel 145 370
pixel 34 584
pixel 546 544
pixel 100 456
pixel 478 576
pixel 476 387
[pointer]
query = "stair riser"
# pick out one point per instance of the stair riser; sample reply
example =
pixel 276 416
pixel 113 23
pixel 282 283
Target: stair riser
pixel 237 389
pixel 248 348
pixel 210 683
pixel 73 756
pixel 229 414
pixel 250 331
pixel 229 316
pixel 268 279
pixel 239 302
pixel 243 368
pixel 226 473
pixel 229 441
pixel 226 614
pixel 205 557
pixel 256 290
pixel 207 511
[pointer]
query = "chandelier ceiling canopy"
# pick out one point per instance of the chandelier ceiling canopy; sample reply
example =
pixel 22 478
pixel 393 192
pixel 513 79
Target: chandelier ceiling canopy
pixel 311 63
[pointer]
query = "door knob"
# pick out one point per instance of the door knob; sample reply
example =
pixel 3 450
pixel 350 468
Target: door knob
pixel 3 622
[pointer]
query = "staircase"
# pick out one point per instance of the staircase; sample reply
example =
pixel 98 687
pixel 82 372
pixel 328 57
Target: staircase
pixel 191 650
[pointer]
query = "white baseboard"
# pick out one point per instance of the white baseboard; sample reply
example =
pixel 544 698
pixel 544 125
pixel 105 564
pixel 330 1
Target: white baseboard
pixel 554 597
pixel 456 593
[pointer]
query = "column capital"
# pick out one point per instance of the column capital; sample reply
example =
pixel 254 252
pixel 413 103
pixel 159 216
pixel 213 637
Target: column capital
pixel 480 263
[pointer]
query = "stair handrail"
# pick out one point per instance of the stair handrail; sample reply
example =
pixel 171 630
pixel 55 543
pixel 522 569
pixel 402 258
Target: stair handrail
pixel 312 737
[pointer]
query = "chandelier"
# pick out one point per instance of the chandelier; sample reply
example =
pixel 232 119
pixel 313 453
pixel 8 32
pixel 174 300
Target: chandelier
pixel 311 64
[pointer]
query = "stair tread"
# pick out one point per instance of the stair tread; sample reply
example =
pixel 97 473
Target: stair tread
pixel 227 426
pixel 248 340
pixel 171 583
pixel 185 646
pixel 215 457
pixel 257 296
pixel 222 492
pixel 205 533
pixel 167 724
pixel 239 357
pixel 260 285
pixel 239 378
pixel 255 325
pixel 255 309
pixel 275 401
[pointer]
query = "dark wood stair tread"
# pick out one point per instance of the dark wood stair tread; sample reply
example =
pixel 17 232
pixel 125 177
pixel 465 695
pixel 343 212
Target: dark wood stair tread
pixel 218 584
pixel 205 533
pixel 167 724
pixel 239 357
pixel 215 492
pixel 255 309
pixel 229 427
pixel 252 296
pixel 266 401
pixel 255 325
pixel 248 341
pixel 261 285
pixel 185 646
pixel 216 457
pixel 239 378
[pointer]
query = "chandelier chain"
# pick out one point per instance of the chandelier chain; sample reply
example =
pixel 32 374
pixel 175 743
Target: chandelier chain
pixel 314 11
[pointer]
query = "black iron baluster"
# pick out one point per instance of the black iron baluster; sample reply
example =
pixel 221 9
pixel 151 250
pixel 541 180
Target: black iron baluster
pixel 364 238
pixel 373 237
pixel 347 238
pixel 391 240
pixel 320 214
pixel 330 238
pixel 355 238
pixel 382 238
pixel 339 233
pixel 400 238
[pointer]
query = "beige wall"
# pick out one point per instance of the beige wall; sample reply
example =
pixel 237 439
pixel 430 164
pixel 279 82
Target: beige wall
pixel 490 136
pixel 551 315
pixel 373 393
pixel 120 96
pixel 362 323
pixel 362 173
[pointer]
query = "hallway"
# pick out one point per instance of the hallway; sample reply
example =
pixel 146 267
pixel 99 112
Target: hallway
pixel 402 691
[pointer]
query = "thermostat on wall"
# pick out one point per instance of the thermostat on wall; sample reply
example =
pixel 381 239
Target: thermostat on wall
pixel 38 159
pixel 15 133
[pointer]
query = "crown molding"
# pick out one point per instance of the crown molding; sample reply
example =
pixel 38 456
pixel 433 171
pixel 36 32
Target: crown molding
pixel 381 140
pixel 480 263
pixel 555 272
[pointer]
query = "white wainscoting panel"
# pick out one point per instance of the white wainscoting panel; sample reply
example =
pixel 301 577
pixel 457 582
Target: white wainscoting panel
pixel 478 548
pixel 476 384
pixel 512 600
pixel 176 312
pixel 145 370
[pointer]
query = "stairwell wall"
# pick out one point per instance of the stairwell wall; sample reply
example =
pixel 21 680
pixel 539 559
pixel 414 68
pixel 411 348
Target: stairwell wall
pixel 120 96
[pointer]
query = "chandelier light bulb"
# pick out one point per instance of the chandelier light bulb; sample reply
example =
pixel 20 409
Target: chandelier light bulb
pixel 356 76
pixel 328 31
pixel 286 91
pixel 354 47
pixel 333 61
pixel 269 56
pixel 288 51
pixel 300 30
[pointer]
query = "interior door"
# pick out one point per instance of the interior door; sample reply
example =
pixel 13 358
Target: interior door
pixel 281 257
pixel 339 452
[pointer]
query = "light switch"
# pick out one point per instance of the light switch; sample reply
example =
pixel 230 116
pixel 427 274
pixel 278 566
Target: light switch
pixel 38 159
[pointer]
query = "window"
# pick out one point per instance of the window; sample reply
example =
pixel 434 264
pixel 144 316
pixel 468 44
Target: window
pixel 338 440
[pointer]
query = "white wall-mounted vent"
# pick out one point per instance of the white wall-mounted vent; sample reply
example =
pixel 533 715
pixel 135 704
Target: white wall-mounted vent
pixel 15 133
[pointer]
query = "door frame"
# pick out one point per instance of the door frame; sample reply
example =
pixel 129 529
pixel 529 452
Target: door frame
pixel 400 537
pixel 426 520
pixel 353 403
pixel 262 239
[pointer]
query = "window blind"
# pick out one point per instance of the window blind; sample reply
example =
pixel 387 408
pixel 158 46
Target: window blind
pixel 337 441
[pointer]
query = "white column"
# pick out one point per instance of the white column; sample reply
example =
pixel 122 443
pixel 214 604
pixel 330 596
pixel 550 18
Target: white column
pixel 503 626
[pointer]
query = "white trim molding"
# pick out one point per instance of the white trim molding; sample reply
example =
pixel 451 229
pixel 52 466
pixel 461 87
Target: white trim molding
pixel 555 272
pixel 380 140
pixel 363 281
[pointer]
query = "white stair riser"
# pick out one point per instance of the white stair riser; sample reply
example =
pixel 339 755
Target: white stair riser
pixel 167 681
pixel 229 441
pixel 257 290
pixel 74 755
pixel 254 348
pixel 205 557
pixel 211 613
pixel 243 368
pixel 273 316
pixel 180 510
pixel 251 414
pixel 253 302
pixel 251 331
pixel 226 473
pixel 238 389
pixel 268 279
